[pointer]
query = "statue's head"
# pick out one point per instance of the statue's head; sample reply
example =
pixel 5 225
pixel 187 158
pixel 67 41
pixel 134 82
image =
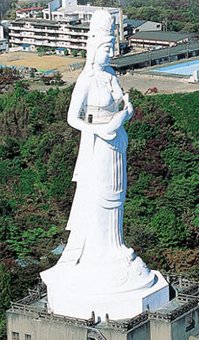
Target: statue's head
pixel 100 43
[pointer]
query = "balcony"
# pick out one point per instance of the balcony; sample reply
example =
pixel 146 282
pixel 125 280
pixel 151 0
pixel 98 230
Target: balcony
pixel 43 42
pixel 16 41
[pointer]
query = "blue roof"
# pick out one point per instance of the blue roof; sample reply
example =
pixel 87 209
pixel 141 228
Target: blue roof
pixel 60 49
pixel 23 263
pixel 25 45
pixel 50 71
pixel 58 250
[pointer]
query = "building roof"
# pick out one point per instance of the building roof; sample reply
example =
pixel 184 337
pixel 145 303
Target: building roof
pixel 60 248
pixel 54 23
pixel 134 22
pixel 84 9
pixel 161 35
pixel 36 21
pixel 138 58
pixel 21 10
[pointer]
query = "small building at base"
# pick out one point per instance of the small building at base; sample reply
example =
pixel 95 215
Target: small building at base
pixel 177 320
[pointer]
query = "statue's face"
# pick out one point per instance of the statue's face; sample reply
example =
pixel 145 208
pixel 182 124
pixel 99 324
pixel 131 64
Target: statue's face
pixel 104 53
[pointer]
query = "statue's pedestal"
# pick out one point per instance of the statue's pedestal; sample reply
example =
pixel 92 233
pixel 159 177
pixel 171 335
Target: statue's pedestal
pixel 79 301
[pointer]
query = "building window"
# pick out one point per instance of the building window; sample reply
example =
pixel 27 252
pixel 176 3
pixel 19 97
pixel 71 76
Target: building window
pixel 15 336
pixel 27 337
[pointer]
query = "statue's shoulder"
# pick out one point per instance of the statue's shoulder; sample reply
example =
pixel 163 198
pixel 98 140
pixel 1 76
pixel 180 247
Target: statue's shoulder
pixel 110 70
pixel 83 80
pixel 83 76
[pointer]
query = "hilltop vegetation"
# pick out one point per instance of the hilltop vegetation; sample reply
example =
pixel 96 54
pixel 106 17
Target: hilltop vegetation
pixel 37 156
pixel 181 15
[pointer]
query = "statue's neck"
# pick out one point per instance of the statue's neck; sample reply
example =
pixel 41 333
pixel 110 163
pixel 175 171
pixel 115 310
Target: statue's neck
pixel 98 68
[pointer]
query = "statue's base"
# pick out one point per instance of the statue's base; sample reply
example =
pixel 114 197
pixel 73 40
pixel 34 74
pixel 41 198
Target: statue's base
pixel 70 302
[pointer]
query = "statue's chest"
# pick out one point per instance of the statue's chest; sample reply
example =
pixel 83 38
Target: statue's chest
pixel 100 93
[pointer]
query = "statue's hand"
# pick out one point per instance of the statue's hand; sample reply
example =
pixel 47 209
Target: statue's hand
pixel 102 131
pixel 109 130
pixel 128 106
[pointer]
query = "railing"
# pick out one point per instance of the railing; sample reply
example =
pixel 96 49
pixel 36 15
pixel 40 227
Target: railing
pixel 175 313
pixel 40 313
pixel 129 323
pixel 187 286
pixel 34 295
pixel 184 298
pixel 119 325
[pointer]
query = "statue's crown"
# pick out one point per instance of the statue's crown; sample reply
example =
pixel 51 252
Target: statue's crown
pixel 102 24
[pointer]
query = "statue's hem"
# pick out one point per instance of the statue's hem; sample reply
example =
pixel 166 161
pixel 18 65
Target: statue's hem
pixel 121 305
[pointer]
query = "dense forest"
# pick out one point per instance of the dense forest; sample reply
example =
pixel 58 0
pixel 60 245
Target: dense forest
pixel 181 15
pixel 37 155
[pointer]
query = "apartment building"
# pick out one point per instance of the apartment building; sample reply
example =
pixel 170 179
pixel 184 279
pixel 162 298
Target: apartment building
pixel 36 33
pixel 63 26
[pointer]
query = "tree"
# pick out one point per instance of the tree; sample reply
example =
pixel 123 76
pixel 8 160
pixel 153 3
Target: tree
pixel 83 53
pixel 74 53
pixel 5 297
pixel 66 52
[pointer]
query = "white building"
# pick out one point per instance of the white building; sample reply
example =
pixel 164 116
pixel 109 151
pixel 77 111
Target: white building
pixel 135 25
pixel 30 12
pixel 63 25
pixel 159 39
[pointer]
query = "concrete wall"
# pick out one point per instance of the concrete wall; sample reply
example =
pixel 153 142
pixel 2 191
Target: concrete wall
pixel 180 329
pixel 185 326
pixel 42 330
pixel 141 332
pixel 158 327
pixel 112 334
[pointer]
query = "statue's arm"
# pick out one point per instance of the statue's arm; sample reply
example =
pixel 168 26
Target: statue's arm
pixel 78 99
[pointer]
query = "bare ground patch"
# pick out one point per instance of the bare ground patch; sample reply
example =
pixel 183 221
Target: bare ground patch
pixel 46 62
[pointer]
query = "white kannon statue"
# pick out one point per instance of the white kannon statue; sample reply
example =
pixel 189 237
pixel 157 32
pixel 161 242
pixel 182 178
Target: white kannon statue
pixel 96 270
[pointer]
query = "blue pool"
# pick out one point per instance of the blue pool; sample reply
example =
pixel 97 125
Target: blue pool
pixel 185 69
